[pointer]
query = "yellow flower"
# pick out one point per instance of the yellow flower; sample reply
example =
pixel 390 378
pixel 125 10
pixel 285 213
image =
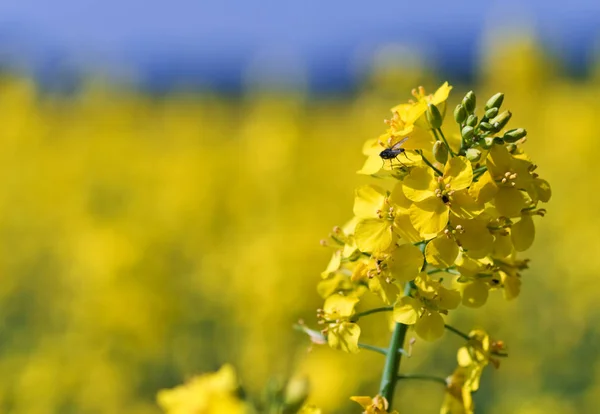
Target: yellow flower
pixel 518 186
pixel 309 409
pixel 425 309
pixel 375 405
pixel 472 359
pixel 413 112
pixel 381 219
pixel 373 232
pixel 458 399
pixel 476 355
pixel 213 393
pixel 434 197
pixel 341 334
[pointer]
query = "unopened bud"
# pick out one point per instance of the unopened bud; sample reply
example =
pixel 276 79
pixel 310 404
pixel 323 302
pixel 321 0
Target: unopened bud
pixel 469 102
pixel 473 154
pixel 472 120
pixel 495 101
pixel 514 135
pixel 440 152
pixel 460 114
pixel 467 133
pixel 487 142
pixel 434 117
pixel 511 148
pixel 485 126
pixel 490 113
pixel 501 120
pixel 296 393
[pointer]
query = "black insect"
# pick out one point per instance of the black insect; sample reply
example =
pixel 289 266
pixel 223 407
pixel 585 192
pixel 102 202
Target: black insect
pixel 394 151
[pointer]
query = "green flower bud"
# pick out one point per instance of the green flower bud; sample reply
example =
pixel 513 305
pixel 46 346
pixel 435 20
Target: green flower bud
pixel 472 120
pixel 467 133
pixel 460 114
pixel 486 126
pixel 473 154
pixel 511 148
pixel 487 142
pixel 434 117
pixel 469 102
pixel 296 393
pixel 495 101
pixel 514 135
pixel 440 152
pixel 501 120
pixel 490 113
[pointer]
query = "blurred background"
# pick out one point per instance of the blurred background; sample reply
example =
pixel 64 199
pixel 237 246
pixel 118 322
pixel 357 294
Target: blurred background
pixel 167 170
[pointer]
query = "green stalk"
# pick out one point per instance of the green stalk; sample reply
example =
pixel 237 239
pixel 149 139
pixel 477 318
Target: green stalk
pixel 426 161
pixel 392 360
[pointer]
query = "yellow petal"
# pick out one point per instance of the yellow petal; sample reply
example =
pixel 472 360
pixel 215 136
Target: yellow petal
pixel 475 236
pixel 509 202
pixel 373 164
pixel 369 200
pixel 512 285
pixel 498 161
pixel 334 264
pixel 441 252
pixel 373 235
pixel 420 184
pixel 429 217
pixel 523 233
pixel 338 306
pixel 405 263
pixel 405 229
pixel 502 246
pixel 542 190
pixel 406 310
pixel 419 139
pixel 442 93
pixel 448 298
pixel 430 326
pixel 387 292
pixel 464 205
pixel 398 199
pixel 344 336
pixel 484 189
pixel 372 147
pixel 458 173
pixel 475 294
pixel 463 357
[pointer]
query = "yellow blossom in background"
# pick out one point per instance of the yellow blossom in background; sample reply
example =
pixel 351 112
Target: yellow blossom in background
pixel 140 230
pixel 214 393
pixel 375 405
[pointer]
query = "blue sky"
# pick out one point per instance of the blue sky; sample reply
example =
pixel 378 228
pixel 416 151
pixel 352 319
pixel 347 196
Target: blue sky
pixel 217 41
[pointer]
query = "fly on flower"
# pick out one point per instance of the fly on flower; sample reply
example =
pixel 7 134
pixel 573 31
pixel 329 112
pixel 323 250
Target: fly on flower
pixel 394 151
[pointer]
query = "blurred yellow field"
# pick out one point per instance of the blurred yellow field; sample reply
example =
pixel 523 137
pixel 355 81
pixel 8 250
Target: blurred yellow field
pixel 147 239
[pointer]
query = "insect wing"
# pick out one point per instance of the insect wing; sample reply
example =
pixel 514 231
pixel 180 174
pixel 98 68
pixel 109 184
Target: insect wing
pixel 397 145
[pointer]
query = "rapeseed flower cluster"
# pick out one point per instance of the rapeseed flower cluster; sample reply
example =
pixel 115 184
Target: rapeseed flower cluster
pixel 220 393
pixel 442 229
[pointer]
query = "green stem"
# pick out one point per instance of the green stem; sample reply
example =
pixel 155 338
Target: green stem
pixel 448 270
pixel 359 315
pixel 457 332
pixel 373 348
pixel 380 350
pixel 426 161
pixel 392 360
pixel 478 172
pixel 452 153
pixel 424 378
